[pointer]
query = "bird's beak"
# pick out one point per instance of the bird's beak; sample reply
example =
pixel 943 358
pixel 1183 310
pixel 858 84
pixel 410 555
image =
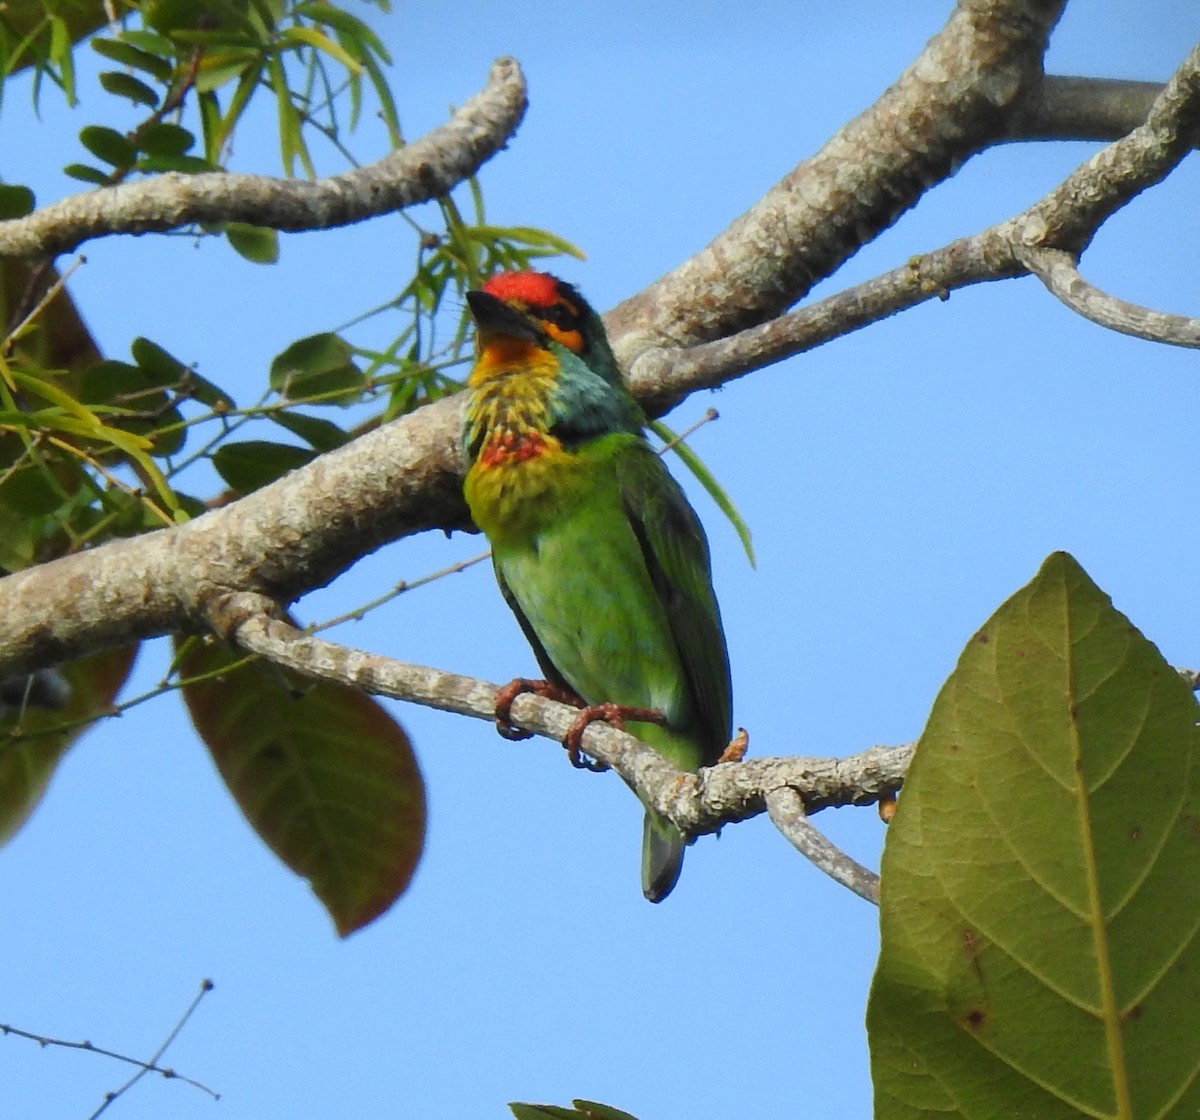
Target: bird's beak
pixel 495 317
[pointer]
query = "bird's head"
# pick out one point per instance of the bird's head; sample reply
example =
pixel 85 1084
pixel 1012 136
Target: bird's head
pixel 536 310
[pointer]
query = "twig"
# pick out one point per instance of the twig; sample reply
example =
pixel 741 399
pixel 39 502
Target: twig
pixel 1059 271
pixel 144 1067
pixel 152 1066
pixel 786 810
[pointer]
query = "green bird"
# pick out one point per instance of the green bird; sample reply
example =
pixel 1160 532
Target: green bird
pixel 595 547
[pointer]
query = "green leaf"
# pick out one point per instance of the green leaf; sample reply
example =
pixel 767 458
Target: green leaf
pixel 323 435
pixel 86 174
pixel 108 144
pixel 256 243
pixel 583 1110
pixel 706 479
pixel 162 138
pixel 249 464
pixel 61 46
pixel 127 54
pixel 317 366
pixel 126 85
pixel 185 165
pixel 163 367
pixel 345 24
pixel 323 774
pixel 30 750
pixel 15 201
pixel 1040 898
pixel 311 37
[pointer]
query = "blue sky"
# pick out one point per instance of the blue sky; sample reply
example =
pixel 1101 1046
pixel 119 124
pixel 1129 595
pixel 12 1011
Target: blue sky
pixel 900 483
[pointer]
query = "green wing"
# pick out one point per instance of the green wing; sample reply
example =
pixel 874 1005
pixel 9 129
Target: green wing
pixel 675 551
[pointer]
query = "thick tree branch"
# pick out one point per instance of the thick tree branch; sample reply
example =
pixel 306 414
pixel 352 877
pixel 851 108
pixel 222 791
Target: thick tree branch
pixel 425 169
pixel 1044 240
pixel 953 102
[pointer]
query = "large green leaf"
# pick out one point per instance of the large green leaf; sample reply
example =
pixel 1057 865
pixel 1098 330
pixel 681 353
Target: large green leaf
pixel 30 750
pixel 1041 880
pixel 323 774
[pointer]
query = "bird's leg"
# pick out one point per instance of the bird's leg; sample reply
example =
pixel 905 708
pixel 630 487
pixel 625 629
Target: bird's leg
pixel 506 695
pixel 616 714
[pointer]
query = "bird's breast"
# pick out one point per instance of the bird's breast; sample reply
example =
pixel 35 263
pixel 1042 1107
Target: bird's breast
pixel 519 483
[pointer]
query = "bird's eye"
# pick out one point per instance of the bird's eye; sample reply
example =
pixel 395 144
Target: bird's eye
pixel 562 314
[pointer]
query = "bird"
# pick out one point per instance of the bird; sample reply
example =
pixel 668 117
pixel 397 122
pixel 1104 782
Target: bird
pixel 594 545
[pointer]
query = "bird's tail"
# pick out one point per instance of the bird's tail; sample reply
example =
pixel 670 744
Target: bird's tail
pixel 662 856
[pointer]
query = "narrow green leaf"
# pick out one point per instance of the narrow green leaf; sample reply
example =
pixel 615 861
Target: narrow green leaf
pixel 15 201
pixel 257 244
pixel 311 37
pixel 706 479
pixel 387 103
pixel 30 751
pixel 323 774
pixel 1040 906
pixel 345 24
pixel 128 55
pixel 126 85
pixel 247 465
pixel 108 144
pixel 61 55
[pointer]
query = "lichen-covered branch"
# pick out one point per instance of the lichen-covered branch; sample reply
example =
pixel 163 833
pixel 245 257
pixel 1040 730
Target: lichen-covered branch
pixel 698 803
pixel 425 169
pixel 954 101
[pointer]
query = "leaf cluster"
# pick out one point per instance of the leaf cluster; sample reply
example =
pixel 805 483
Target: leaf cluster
pixel 94 447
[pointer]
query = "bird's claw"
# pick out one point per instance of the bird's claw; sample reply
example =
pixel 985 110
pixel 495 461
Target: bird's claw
pixel 615 714
pixel 737 748
pixel 506 695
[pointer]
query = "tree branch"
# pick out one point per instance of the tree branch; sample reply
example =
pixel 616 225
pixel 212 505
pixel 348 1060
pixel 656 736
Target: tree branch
pixel 1058 270
pixel 1062 108
pixel 697 803
pixel 1044 240
pixel 425 169
pixel 308 527
pixel 786 808
pixel 953 102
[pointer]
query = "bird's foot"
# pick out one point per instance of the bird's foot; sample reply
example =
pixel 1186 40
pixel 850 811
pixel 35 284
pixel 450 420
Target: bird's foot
pixel 616 714
pixel 738 746
pixel 506 695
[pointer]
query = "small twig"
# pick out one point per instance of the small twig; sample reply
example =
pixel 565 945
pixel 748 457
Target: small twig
pixel 144 1068
pixel 404 585
pixel 152 1066
pixel 786 810
pixel 40 306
